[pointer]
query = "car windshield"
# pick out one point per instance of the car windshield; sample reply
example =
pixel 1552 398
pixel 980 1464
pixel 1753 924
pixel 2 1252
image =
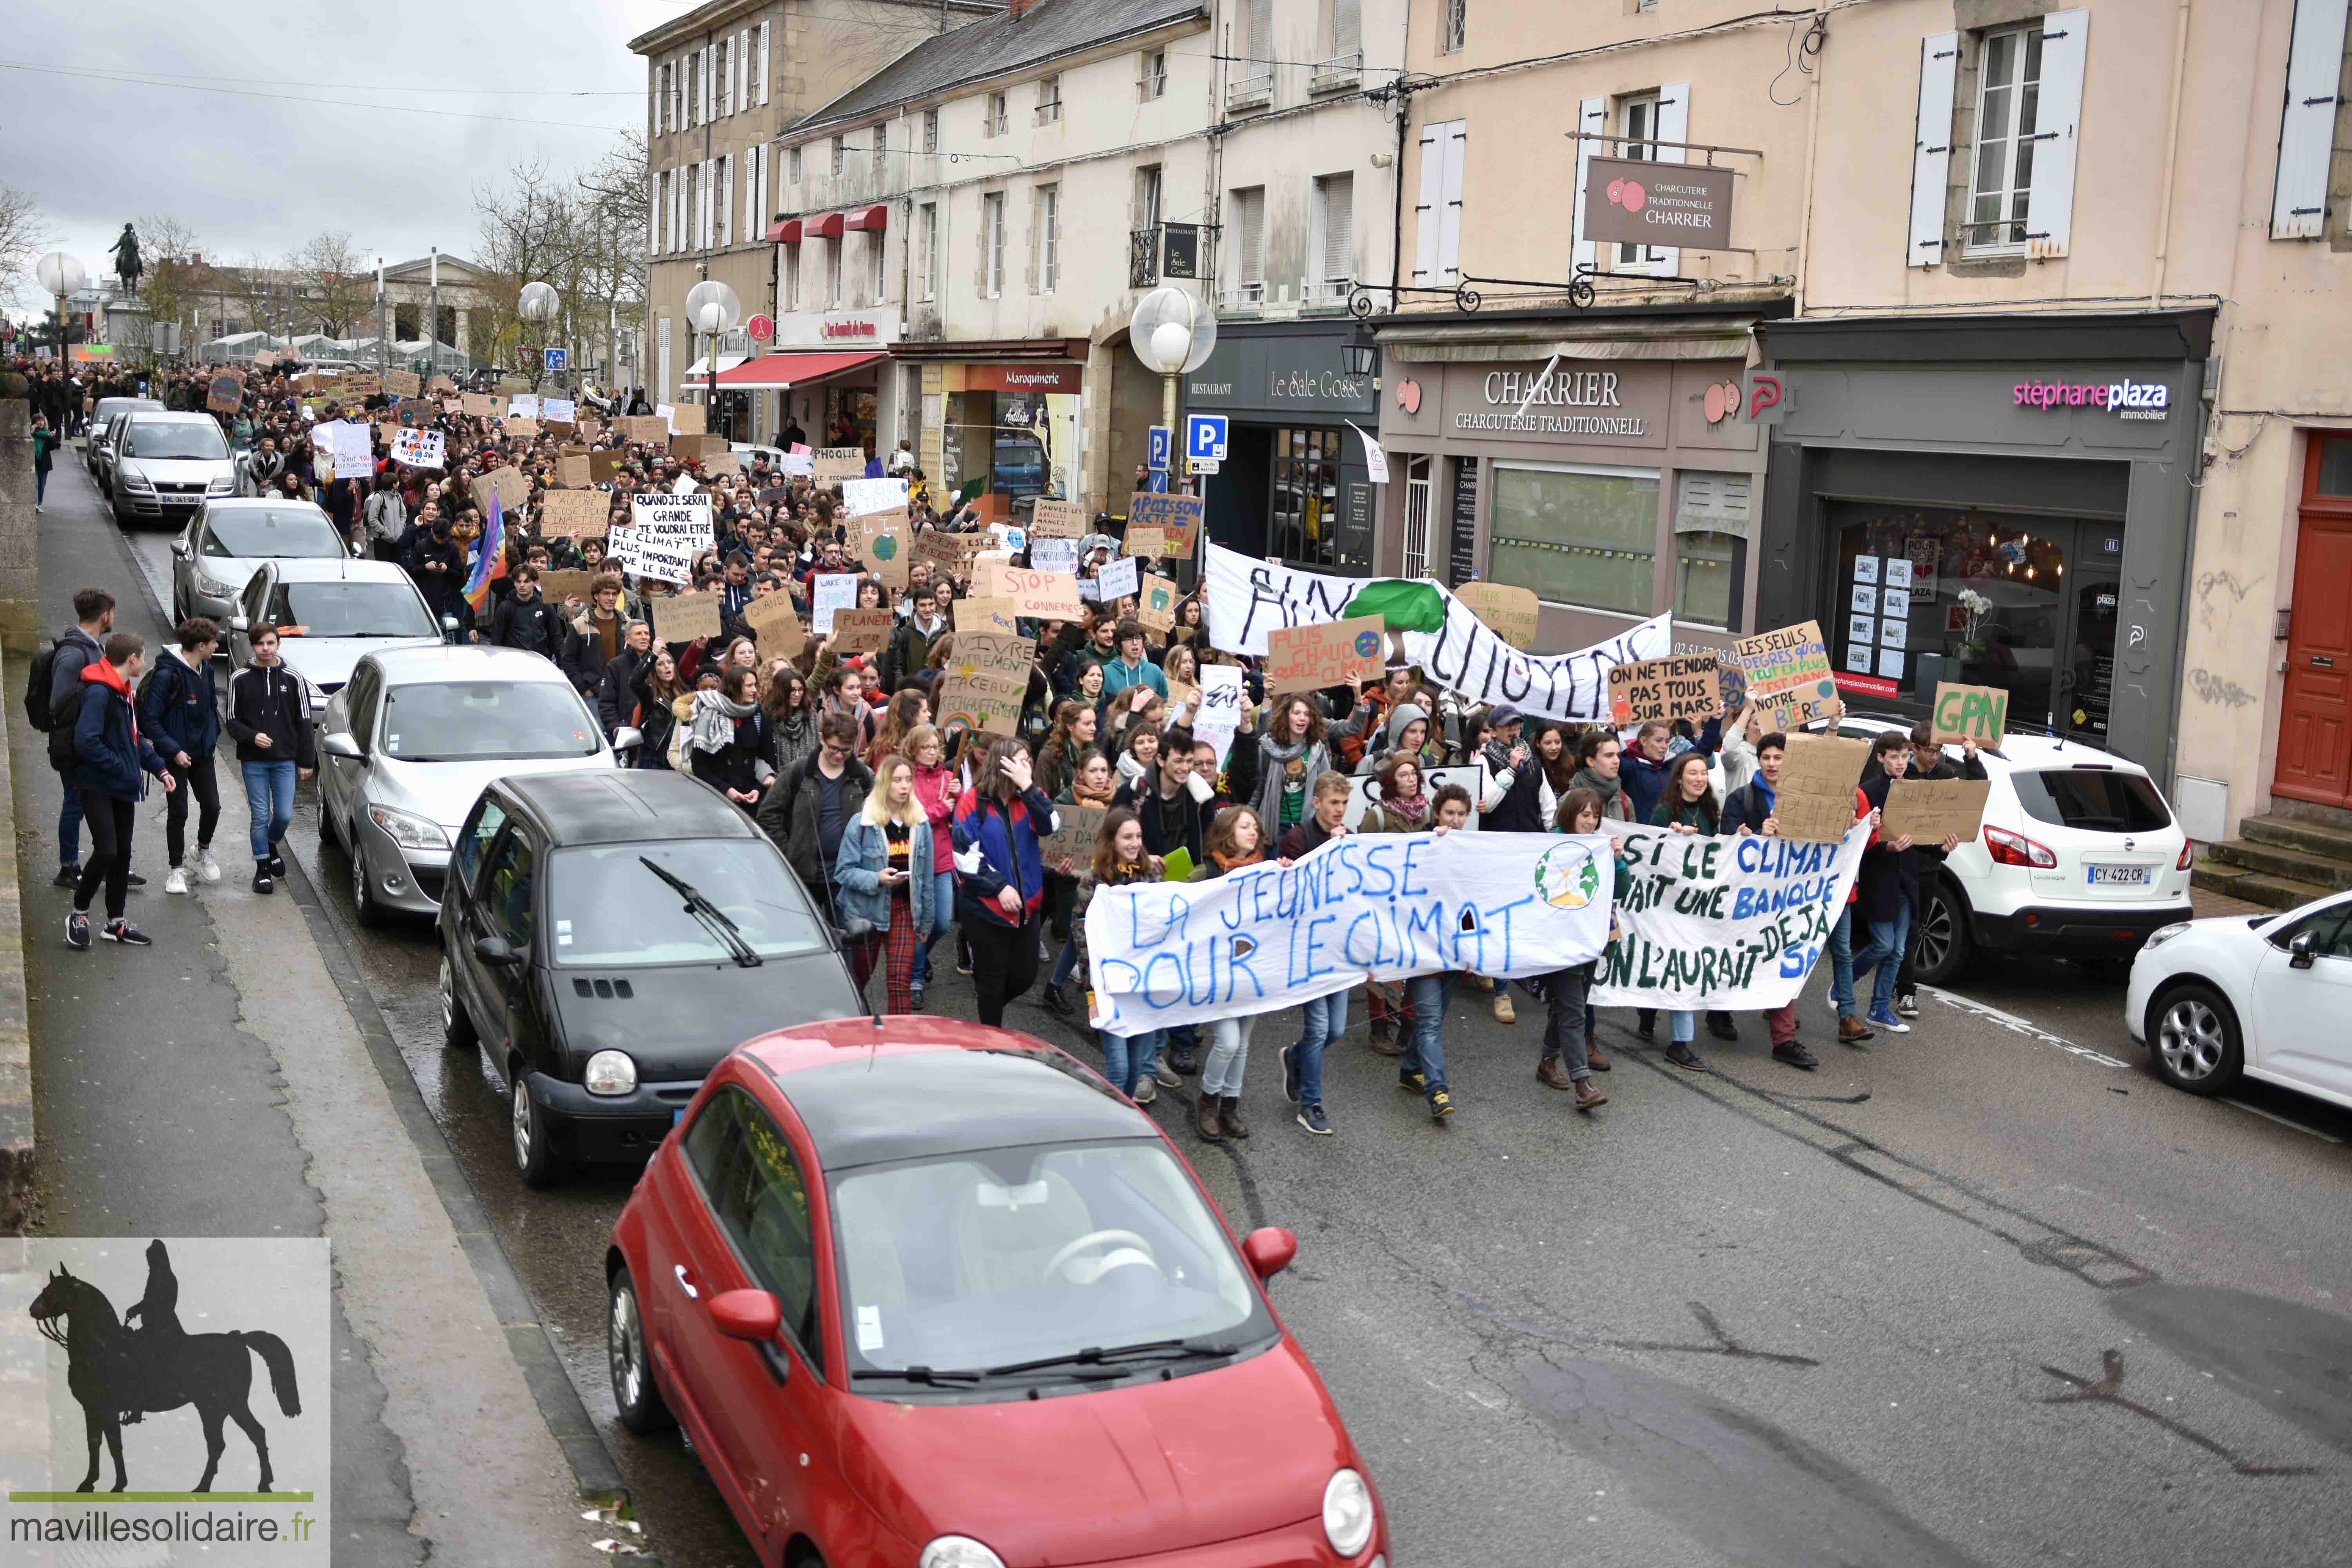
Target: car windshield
pixel 263 532
pixel 349 610
pixel 2098 800
pixel 465 721
pixel 609 909
pixel 193 442
pixel 1010 1255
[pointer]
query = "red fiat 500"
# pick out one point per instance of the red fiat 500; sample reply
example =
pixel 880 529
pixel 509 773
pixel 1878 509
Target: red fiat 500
pixel 929 1295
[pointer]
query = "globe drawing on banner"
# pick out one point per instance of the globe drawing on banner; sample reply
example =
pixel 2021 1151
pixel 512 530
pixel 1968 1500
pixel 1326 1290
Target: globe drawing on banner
pixel 1567 877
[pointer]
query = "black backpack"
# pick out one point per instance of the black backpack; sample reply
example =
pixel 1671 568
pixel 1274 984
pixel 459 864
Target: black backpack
pixel 37 686
pixel 62 720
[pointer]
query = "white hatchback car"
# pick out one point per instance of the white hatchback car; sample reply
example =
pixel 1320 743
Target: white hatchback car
pixel 2260 996
pixel 2079 857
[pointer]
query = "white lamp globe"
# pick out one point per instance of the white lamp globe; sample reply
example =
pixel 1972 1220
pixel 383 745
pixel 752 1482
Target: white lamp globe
pixel 537 302
pixel 1172 332
pixel 712 306
pixel 60 273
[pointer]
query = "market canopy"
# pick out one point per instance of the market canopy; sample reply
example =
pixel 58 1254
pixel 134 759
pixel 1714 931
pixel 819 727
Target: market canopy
pixel 793 370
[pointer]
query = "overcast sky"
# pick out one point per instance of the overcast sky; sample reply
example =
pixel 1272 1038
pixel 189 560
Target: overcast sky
pixel 253 171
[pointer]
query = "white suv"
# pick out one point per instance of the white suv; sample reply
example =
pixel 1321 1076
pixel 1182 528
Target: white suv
pixel 2079 857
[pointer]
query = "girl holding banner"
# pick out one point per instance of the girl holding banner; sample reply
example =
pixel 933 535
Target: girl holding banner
pixel 1131 1062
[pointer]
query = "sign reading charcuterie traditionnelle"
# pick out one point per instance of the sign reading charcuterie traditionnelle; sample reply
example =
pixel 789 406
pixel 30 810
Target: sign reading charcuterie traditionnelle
pixel 1636 201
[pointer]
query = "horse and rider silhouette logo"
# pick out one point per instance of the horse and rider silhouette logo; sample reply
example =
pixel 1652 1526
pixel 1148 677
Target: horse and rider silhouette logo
pixel 120 1374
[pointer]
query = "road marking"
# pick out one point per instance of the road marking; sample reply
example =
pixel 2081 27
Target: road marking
pixel 2017 1025
pixel 2283 1121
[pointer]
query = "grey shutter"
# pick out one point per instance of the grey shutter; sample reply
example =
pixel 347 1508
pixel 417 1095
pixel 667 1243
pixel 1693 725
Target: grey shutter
pixel 2058 113
pixel 1346 28
pixel 2315 62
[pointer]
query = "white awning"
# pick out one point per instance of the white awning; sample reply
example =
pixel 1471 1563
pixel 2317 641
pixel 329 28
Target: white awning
pixel 702 366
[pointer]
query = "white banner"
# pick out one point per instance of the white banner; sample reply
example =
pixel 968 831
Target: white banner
pixel 1120 578
pixel 1219 717
pixel 862 498
pixel 1735 923
pixel 664 535
pixel 1383 906
pixel 417 448
pixel 522 406
pixel 1364 791
pixel 558 410
pixel 1247 598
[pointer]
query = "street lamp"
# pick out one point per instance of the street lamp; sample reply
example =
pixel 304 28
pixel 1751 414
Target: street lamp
pixel 59 274
pixel 537 304
pixel 1359 358
pixel 711 306
pixel 1173 333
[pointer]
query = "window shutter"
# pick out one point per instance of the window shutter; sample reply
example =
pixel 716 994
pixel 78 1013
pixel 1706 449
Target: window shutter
pixel 2307 126
pixel 760 63
pixel 1673 125
pixel 677 209
pixel 1433 141
pixel 710 183
pixel 1338 248
pixel 1261 43
pixel 653 215
pixel 1347 27
pixel 980 253
pixel 1592 118
pixel 2050 201
pixel 742 70
pixel 726 199
pixel 1449 209
pixel 1037 218
pixel 1931 150
pixel 1252 237
pixel 706 71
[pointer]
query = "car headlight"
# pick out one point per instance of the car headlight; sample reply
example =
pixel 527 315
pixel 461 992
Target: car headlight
pixel 1347 1512
pixel 210 589
pixel 2163 934
pixel 407 830
pixel 132 479
pixel 957 1551
pixel 610 1072
pixel 222 486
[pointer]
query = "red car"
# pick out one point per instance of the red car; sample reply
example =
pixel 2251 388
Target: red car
pixel 929 1295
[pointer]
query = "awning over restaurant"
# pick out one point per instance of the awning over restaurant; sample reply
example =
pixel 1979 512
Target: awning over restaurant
pixel 701 367
pixel 786 233
pixel 874 218
pixel 793 369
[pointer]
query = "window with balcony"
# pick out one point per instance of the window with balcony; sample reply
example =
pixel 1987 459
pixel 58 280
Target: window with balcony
pixel 1452 23
pixel 999 117
pixel 2008 83
pixel 1342 65
pixel 1049 100
pixel 1246 265
pixel 1251 83
pixel 1151 81
pixel 931 130
pixel 1147 196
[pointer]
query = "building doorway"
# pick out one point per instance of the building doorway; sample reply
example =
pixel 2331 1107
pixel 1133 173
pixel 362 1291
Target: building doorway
pixel 2315 744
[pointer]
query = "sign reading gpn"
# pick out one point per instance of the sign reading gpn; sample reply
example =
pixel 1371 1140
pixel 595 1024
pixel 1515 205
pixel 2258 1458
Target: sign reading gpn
pixel 1637 202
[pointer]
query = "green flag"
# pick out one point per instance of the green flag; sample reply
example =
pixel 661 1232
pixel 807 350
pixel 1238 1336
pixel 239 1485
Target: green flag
pixel 1406 607
pixel 972 489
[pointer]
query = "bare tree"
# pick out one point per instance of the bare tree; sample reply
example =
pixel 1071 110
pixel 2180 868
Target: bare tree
pixel 330 283
pixel 177 277
pixel 254 288
pixel 613 285
pixel 23 232
pixel 530 234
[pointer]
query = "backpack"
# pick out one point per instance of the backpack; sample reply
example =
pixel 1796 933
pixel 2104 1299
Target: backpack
pixel 62 720
pixel 37 686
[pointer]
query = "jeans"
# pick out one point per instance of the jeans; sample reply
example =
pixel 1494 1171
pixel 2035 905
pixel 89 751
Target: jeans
pixel 1065 964
pixel 1684 1025
pixel 1884 954
pixel 40 485
pixel 69 828
pixel 195 780
pixel 1841 962
pixel 269 794
pixel 1129 1059
pixel 1327 1020
pixel 1229 1041
pixel 1426 1055
pixel 942 918
pixel 1566 1021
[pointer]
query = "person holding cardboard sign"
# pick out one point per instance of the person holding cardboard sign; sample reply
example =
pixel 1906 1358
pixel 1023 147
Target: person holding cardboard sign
pixel 1928 763
pixel 1886 890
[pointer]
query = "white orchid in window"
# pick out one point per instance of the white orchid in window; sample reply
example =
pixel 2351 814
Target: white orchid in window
pixel 1975 604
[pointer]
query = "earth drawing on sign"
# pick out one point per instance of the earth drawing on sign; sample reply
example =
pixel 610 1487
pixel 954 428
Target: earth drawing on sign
pixel 1567 877
pixel 1367 645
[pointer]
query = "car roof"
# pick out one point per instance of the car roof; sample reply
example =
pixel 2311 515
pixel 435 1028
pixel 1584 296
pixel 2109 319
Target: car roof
pixel 923 1087
pixel 264 503
pixel 467 661
pixel 2019 750
pixel 129 405
pixel 322 569
pixel 625 805
pixel 160 415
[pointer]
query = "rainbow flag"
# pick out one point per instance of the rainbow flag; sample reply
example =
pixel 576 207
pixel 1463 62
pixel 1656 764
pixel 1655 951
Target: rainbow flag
pixel 491 563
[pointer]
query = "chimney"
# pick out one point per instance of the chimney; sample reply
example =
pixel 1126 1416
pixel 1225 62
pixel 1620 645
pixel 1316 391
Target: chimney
pixel 1014 8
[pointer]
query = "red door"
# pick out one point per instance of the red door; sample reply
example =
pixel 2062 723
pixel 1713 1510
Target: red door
pixel 2314 748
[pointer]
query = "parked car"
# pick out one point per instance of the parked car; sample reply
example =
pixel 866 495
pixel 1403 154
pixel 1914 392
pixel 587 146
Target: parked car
pixel 2250 996
pixel 409 744
pixel 164 465
pixel 606 936
pixel 230 537
pixel 2079 857
pixel 100 418
pixel 328 615
pixel 875 1249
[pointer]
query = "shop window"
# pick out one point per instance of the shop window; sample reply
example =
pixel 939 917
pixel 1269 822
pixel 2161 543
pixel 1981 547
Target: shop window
pixel 1582 537
pixel 1303 521
pixel 1711 524
pixel 2009 87
pixel 1417 495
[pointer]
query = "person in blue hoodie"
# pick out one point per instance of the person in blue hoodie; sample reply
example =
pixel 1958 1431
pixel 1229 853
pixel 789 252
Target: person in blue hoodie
pixel 179 713
pixel 111 760
pixel 1001 875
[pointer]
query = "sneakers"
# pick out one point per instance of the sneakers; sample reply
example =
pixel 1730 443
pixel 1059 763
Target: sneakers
pixel 1483 982
pixel 1311 1117
pixel 1503 1011
pixel 1682 1057
pixel 133 879
pixel 1720 1025
pixel 1441 1105
pixel 1645 1023
pixel 126 933
pixel 1146 1092
pixel 1208 1117
pixel 206 867
pixel 1182 1060
pixel 1908 1004
pixel 261 882
pixel 177 882
pixel 1588 1096
pixel 68 875
pixel 1408 1078
pixel 964 959
pixel 1290 1074
pixel 1230 1113
pixel 1058 1001
pixel 1885 1019
pixel 277 862
pixel 1167 1077
pixel 1551 1075
pixel 1795 1054
pixel 1852 1031
pixel 77 932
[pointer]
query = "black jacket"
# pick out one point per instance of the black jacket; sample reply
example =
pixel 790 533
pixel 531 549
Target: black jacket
pixel 788 814
pixel 616 697
pixel 1152 813
pixel 270 702
pixel 1746 807
pixel 739 764
pixel 1889 877
pixel 179 710
pixel 444 590
pixel 537 627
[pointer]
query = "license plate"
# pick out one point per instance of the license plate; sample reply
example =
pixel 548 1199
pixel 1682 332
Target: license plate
pixel 2117 876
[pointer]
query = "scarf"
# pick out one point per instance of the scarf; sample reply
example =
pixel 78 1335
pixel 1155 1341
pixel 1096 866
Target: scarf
pixel 1412 811
pixel 1080 795
pixel 1235 863
pixel 715 717
pixel 1607 789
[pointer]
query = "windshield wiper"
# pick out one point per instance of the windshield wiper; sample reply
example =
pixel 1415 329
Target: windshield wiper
pixel 714 920
pixel 917 1374
pixel 1095 1355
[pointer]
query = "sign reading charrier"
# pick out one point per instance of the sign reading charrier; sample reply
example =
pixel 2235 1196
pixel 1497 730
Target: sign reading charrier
pixel 1638 202
pixel 1516 401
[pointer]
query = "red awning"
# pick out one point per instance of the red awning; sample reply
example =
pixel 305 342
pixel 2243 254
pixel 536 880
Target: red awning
pixel 786 233
pixel 873 218
pixel 793 369
pixel 826 227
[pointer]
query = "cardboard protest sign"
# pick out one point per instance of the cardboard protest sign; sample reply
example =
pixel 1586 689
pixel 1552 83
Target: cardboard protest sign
pixel 837 463
pixel 510 485
pixel 987 681
pixel 644 429
pixel 476 405
pixel 1155 605
pixel 1178 514
pixel 1932 810
pixel 1732 682
pixel 1966 713
pixel 523 429
pixel 557 410
pixel 1145 543
pixel 1118 579
pixel 834 592
pixel 1057 520
pixel 571 473
pixel 682 618
pixel 579 513
pixel 694 449
pixel 558 587
pixel 1510 611
pixel 1042 596
pixel 1815 801
pixel 686 419
pixel 418 449
pixel 859 498
pixel 439 383
pixel 1670 689
pixel 775 626
pixel 1049 554
pixel 949 553
pixel 264 360
pixel 716 463
pixel 1337 653
pixel 665 534
pixel 1788 674
pixel 880 540
pixel 225 394
pixel 403 383
pixel 983 616
pixel 861 631
pixel 796 465
pixel 604 465
pixel 1071 845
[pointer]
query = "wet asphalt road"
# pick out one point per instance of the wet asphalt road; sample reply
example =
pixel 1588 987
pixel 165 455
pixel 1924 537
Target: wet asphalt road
pixel 1990 1293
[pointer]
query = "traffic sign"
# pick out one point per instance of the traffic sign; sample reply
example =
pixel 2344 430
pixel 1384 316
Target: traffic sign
pixel 1158 458
pixel 759 329
pixel 1204 436
pixel 1197 467
pixel 556 359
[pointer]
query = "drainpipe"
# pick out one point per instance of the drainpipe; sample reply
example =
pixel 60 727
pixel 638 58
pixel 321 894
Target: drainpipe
pixel 1396 179
pixel 1813 156
pixel 2171 149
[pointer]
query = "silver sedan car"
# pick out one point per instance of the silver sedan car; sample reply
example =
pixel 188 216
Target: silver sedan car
pixel 226 541
pixel 408 746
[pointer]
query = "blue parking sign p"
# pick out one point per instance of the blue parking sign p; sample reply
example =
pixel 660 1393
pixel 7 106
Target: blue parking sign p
pixel 1155 457
pixel 1204 438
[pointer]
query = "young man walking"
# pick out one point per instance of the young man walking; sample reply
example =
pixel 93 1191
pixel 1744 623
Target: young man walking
pixel 181 716
pixel 111 760
pixel 1325 1018
pixel 76 649
pixel 269 720
pixel 1747 811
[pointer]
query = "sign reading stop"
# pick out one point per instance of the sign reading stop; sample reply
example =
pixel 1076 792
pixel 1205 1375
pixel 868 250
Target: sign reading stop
pixel 759 329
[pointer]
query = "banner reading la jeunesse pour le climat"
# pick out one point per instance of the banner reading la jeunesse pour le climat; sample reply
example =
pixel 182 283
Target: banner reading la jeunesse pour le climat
pixel 1382 907
pixel 1731 922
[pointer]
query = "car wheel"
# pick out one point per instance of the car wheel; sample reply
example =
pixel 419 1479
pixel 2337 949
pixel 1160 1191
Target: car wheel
pixel 634 1392
pixel 457 1024
pixel 535 1160
pixel 1947 948
pixel 2193 1036
pixel 365 909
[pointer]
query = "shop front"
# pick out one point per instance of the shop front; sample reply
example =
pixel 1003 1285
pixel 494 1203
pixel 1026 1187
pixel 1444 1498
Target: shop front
pixel 1293 483
pixel 1004 429
pixel 826 375
pixel 1992 502
pixel 1598 458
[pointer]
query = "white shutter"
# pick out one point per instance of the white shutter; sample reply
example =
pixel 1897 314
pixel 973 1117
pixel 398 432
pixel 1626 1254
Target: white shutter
pixel 742 70
pixel 1339 193
pixel 652 215
pixel 2307 126
pixel 1346 28
pixel 761 63
pixel 2050 200
pixel 1449 207
pixel 1673 125
pixel 1433 143
pixel 677 209
pixel 726 199
pixel 1931 148
pixel 706 72
pixel 1591 118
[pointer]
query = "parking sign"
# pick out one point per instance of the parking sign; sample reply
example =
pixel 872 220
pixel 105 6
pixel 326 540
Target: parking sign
pixel 556 359
pixel 1157 457
pixel 1204 438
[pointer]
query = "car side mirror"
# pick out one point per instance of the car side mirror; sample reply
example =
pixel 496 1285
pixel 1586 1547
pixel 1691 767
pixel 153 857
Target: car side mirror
pixel 628 738
pixel 339 743
pixel 180 547
pixel 1270 1250
pixel 494 950
pixel 448 628
pixel 752 1315
pixel 239 623
pixel 2300 950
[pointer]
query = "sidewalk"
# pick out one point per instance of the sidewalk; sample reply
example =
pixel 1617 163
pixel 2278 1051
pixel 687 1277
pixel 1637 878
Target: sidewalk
pixel 219 1084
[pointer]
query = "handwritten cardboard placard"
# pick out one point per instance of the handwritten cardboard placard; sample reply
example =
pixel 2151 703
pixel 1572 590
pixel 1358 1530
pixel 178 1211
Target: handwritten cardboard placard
pixel 1155 605
pixel 1145 543
pixel 987 681
pixel 1337 653
pixel 716 463
pixel 513 487
pixel 523 429
pixel 582 514
pixel 1042 596
pixel 686 419
pixel 476 405
pixel 694 449
pixel 418 449
pixel 604 465
pixel 264 360
pixel 1178 514
pixel 978 615
pixel 1932 810
pixel 1669 688
pixel 562 586
pixel 775 626
pixel 835 464
pixel 682 618
pixel 1965 713
pixel 1789 675
pixel 572 473
pixel 403 383
pixel 861 497
pixel 879 540
pixel 1815 801
pixel 1057 520
pixel 833 593
pixel 1118 579
pixel 642 429
pixel 225 394
pixel 1071 847
pixel 949 553
pixel 1048 554
pixel 861 631
pixel 1508 611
